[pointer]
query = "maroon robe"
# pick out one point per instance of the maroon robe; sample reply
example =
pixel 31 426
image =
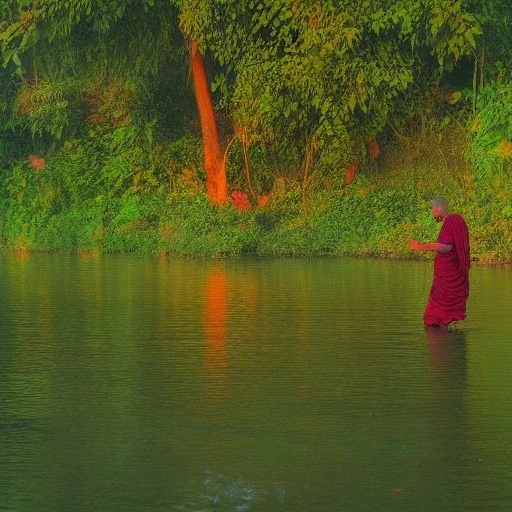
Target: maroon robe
pixel 450 289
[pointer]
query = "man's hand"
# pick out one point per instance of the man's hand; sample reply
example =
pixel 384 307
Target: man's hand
pixel 414 245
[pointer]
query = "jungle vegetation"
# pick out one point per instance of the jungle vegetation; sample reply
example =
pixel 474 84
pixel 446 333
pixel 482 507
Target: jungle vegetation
pixel 227 127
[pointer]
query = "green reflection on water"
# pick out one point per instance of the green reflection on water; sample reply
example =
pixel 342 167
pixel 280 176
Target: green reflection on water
pixel 129 383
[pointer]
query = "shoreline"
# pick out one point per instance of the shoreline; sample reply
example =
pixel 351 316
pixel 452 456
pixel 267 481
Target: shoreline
pixel 479 261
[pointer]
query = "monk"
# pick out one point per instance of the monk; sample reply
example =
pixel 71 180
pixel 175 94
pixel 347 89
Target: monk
pixel 450 289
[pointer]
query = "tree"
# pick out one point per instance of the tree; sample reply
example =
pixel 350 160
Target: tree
pixel 493 53
pixel 132 40
pixel 330 74
pixel 319 78
pixel 215 165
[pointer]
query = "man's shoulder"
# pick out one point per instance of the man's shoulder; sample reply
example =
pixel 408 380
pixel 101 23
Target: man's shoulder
pixel 457 217
pixel 457 222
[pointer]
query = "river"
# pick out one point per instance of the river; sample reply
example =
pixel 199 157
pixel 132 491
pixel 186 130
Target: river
pixel 132 383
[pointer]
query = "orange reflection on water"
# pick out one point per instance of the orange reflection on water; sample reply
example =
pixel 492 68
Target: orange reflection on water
pixel 22 254
pixel 215 317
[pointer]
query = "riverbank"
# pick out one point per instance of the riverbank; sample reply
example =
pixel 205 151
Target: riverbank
pixel 373 217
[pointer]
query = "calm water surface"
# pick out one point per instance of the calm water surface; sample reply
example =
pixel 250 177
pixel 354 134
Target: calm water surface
pixel 139 384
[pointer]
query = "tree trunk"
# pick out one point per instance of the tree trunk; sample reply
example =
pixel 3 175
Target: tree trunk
pixel 216 184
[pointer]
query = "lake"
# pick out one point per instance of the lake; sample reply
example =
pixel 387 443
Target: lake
pixel 132 383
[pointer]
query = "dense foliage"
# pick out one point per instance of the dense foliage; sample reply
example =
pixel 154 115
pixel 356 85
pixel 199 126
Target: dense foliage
pixel 100 139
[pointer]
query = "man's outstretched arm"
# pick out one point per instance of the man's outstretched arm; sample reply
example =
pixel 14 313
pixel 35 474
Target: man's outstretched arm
pixel 414 245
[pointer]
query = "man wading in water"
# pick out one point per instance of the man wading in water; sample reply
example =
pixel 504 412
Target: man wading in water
pixel 450 289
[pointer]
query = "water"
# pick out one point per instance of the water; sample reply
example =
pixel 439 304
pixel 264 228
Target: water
pixel 140 384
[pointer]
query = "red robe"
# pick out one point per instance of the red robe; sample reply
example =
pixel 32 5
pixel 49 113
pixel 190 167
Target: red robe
pixel 450 289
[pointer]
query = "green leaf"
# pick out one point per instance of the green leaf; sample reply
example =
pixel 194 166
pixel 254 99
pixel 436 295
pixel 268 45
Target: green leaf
pixel 352 102
pixel 16 60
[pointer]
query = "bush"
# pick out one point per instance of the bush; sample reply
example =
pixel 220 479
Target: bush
pixel 192 225
pixel 491 145
pixel 115 192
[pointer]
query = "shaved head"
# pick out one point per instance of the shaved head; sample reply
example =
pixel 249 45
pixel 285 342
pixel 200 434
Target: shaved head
pixel 441 203
pixel 439 208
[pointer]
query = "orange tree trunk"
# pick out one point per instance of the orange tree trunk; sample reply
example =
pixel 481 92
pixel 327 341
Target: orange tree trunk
pixel 216 184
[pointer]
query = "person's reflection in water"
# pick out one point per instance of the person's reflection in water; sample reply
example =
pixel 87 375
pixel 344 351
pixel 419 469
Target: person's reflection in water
pixel 448 367
pixel 448 429
pixel 215 317
pixel 447 350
